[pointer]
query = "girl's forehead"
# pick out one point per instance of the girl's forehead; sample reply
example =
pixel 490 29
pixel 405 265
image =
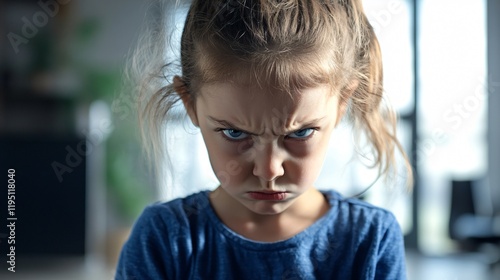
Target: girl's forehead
pixel 258 90
pixel 289 86
pixel 262 97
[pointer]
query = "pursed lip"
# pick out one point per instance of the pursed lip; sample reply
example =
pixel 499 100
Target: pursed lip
pixel 268 195
pixel 268 192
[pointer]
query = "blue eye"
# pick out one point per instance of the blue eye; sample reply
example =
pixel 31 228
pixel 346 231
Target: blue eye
pixel 301 134
pixel 233 134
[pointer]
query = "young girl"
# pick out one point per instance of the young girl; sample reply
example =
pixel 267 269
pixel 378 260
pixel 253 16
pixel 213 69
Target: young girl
pixel 266 82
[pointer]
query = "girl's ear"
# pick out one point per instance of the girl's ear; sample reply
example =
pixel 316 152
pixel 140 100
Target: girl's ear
pixel 344 98
pixel 187 99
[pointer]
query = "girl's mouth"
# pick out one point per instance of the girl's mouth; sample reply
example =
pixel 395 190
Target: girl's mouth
pixel 268 195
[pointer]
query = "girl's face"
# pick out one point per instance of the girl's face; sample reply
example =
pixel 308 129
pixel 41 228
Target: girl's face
pixel 265 148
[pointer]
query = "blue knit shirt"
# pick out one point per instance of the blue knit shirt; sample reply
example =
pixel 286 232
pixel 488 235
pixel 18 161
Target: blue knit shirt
pixel 184 239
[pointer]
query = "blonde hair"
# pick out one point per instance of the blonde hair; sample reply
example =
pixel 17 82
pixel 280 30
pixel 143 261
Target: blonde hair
pixel 288 44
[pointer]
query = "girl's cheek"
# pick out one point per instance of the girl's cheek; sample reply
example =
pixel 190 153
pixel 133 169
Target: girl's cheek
pixel 303 172
pixel 300 149
pixel 243 147
pixel 233 149
pixel 231 171
pixel 230 162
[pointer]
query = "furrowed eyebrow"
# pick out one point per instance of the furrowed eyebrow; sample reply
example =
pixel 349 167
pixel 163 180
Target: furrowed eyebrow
pixel 311 123
pixel 232 126
pixel 225 123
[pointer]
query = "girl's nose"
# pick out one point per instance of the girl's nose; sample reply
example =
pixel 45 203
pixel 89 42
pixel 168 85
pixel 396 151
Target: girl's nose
pixel 268 164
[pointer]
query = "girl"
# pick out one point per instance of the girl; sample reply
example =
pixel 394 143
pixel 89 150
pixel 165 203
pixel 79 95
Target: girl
pixel 266 82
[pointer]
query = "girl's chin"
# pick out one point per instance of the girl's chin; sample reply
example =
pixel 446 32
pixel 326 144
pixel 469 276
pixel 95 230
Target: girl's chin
pixel 267 207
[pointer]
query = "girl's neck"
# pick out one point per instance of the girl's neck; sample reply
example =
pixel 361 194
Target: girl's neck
pixel 305 210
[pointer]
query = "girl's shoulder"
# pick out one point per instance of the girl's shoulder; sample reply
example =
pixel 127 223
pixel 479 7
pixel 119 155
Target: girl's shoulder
pixel 354 211
pixel 178 210
pixel 353 203
pixel 159 242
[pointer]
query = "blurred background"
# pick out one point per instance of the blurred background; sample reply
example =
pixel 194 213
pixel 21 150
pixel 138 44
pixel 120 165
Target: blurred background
pixel 68 132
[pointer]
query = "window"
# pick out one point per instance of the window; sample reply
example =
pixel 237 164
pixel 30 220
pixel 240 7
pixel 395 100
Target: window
pixel 452 108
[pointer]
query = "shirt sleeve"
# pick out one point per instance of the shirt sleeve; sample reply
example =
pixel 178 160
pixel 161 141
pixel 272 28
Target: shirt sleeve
pixel 391 254
pixel 146 254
